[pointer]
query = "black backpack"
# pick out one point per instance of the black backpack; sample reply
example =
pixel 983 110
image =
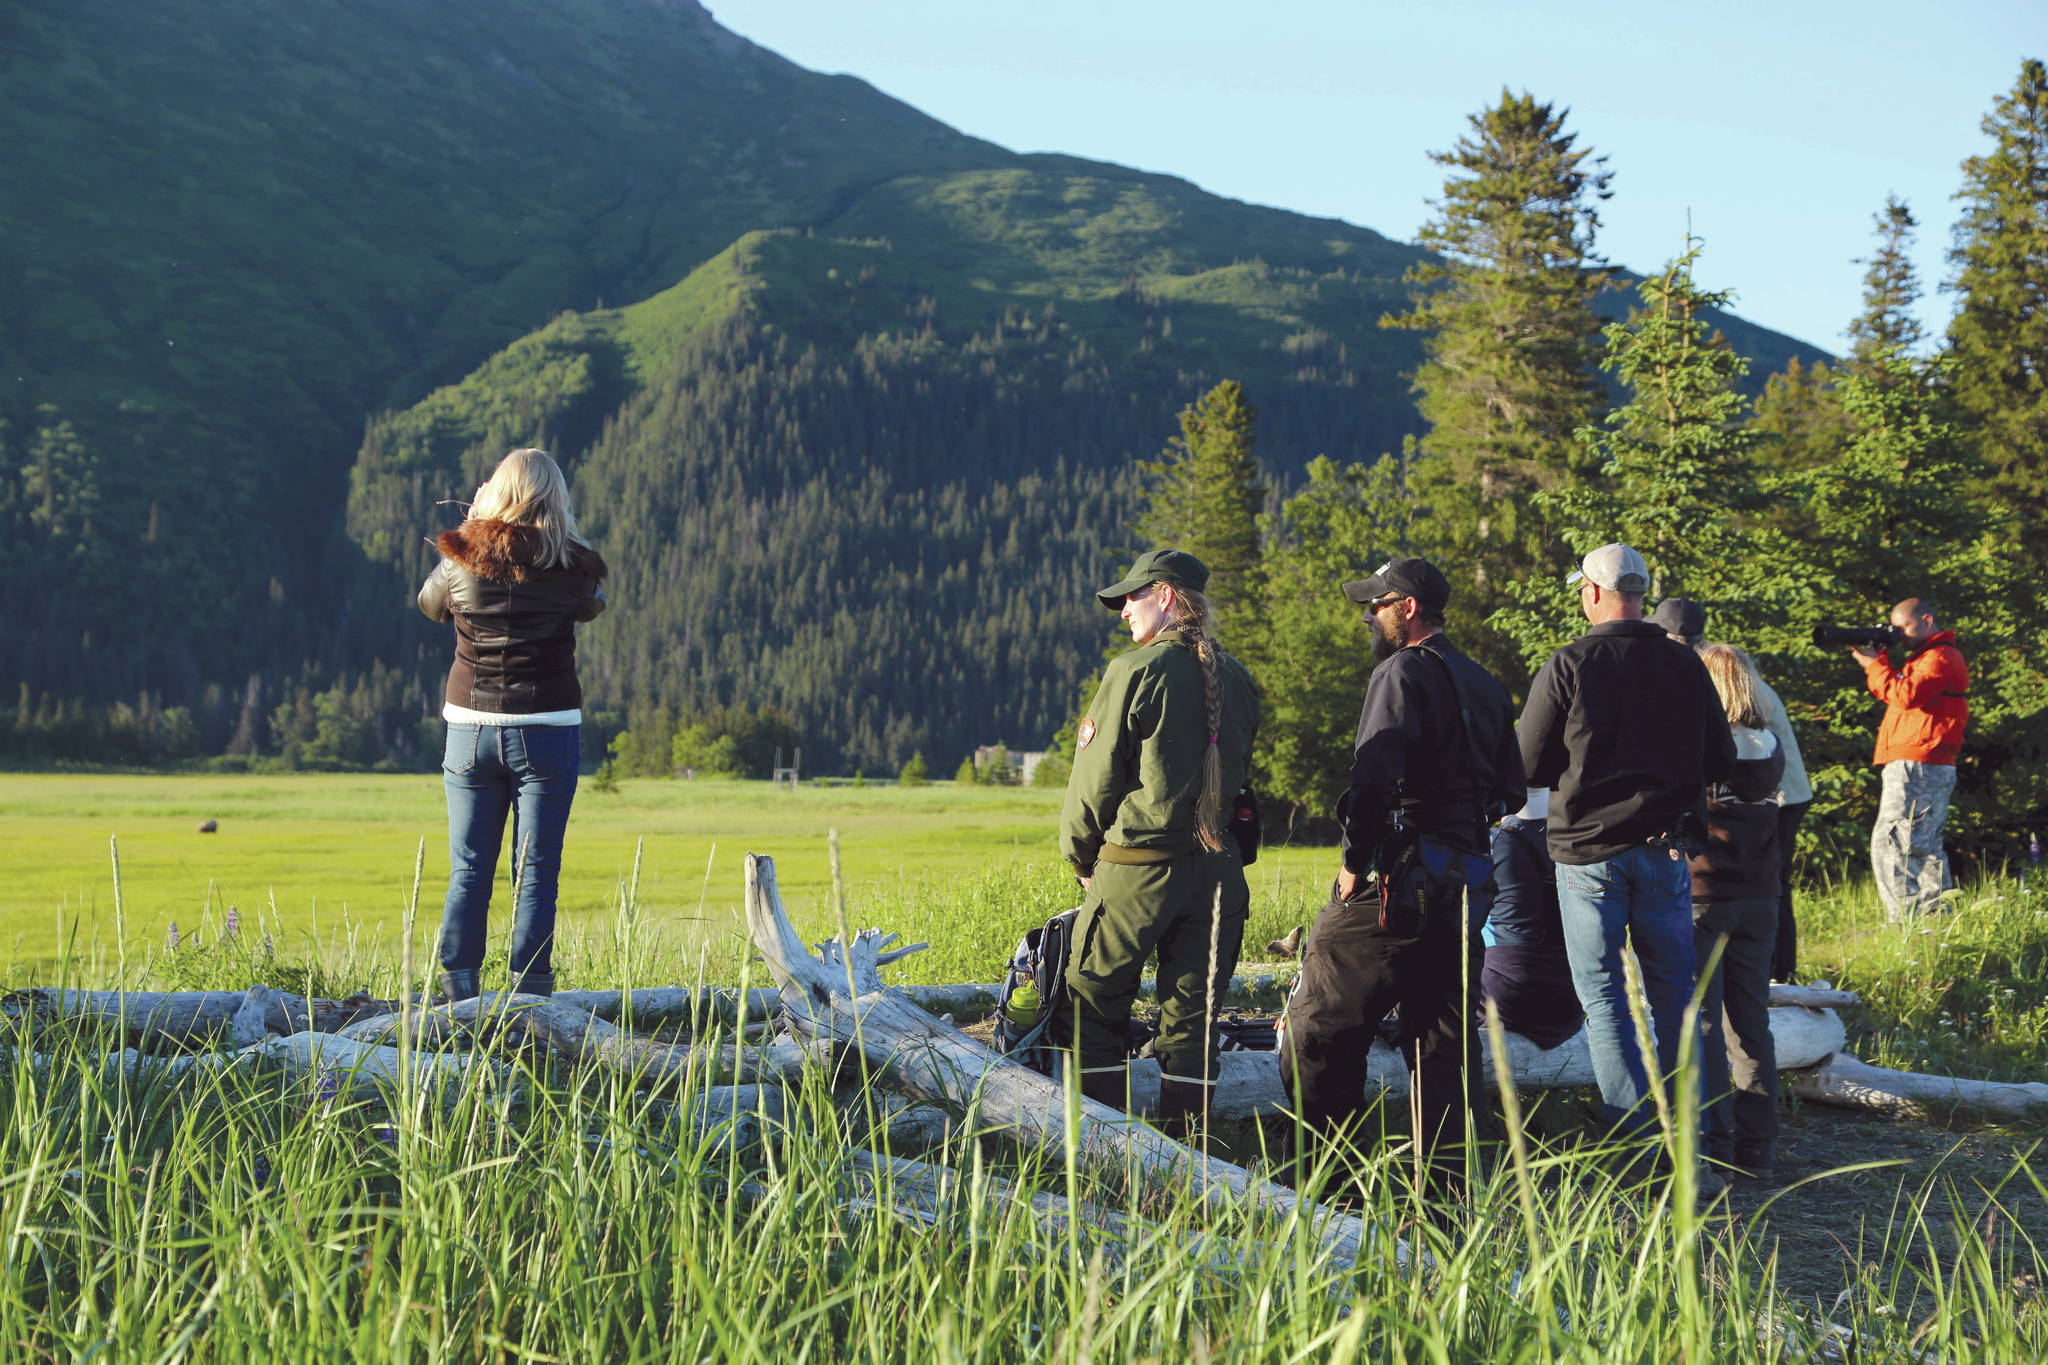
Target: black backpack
pixel 1033 988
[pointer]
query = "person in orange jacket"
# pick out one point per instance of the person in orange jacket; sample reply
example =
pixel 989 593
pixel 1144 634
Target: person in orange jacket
pixel 1927 709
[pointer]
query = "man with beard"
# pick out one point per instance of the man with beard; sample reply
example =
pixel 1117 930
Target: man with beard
pixel 1435 764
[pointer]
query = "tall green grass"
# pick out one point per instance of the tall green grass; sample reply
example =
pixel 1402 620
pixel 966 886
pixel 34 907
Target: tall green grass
pixel 569 1214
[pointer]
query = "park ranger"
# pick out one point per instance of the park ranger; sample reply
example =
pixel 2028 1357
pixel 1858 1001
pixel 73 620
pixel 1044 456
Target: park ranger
pixel 1157 761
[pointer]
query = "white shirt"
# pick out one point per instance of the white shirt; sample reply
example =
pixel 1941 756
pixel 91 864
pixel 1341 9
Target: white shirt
pixel 462 715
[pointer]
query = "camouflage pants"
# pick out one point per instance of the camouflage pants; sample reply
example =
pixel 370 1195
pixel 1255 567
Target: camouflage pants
pixel 1905 847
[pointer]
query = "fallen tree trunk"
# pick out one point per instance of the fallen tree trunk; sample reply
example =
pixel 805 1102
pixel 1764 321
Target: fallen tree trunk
pixel 362 1070
pixel 1249 1083
pixel 583 1039
pixel 1814 997
pixel 839 997
pixel 182 1018
pixel 1848 1083
pixel 970 1001
pixel 656 1006
pixel 932 1192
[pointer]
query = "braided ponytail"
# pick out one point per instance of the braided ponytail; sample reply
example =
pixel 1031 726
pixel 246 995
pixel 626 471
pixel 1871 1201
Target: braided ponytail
pixel 1192 618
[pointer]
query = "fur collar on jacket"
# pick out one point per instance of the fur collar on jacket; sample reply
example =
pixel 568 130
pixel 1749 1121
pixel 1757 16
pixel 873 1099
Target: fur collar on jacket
pixel 503 553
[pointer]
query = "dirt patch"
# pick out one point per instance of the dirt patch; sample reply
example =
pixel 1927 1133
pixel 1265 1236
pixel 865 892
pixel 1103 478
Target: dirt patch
pixel 1825 1225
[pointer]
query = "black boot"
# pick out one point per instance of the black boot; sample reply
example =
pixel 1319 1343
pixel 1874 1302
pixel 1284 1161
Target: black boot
pixel 533 983
pixel 459 983
pixel 1183 1113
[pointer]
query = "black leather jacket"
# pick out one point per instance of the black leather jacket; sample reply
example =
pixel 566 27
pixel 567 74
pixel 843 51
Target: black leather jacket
pixel 515 623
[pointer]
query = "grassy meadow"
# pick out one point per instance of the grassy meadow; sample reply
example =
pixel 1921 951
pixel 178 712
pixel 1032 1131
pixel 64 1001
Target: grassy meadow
pixel 556 1213
pixel 326 863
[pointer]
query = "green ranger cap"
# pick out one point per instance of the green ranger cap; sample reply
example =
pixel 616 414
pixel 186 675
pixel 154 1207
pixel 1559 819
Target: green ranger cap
pixel 1177 567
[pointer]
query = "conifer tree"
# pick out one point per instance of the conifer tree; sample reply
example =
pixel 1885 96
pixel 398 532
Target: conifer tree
pixel 1999 336
pixel 1509 377
pixel 1674 469
pixel 1205 497
pixel 1895 517
pixel 1890 289
pixel 1799 420
pixel 1342 524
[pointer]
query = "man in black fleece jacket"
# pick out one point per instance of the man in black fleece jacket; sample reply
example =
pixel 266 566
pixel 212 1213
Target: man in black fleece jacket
pixel 1624 723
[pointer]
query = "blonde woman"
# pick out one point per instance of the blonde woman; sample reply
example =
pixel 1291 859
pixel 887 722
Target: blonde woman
pixel 515 578
pixel 1735 896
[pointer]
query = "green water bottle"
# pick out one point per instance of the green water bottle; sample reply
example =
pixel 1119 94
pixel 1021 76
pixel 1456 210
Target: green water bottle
pixel 1024 1003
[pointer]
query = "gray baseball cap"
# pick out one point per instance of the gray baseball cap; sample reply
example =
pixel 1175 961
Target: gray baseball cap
pixel 1616 568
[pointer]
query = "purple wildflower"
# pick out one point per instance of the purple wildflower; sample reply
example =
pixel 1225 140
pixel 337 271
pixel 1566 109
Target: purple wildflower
pixel 171 938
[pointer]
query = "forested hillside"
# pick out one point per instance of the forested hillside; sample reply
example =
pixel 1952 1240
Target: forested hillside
pixel 285 276
pixel 870 480
pixel 234 230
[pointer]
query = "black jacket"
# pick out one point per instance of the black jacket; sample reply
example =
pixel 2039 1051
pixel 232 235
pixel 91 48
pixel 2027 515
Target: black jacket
pixel 1741 857
pixel 515 623
pixel 1624 723
pixel 1412 753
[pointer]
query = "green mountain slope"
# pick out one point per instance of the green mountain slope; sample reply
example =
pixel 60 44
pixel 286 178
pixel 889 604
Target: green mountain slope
pixel 280 276
pixel 872 479
pixel 233 229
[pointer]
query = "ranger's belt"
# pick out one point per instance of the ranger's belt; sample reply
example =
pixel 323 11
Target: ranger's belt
pixel 1141 857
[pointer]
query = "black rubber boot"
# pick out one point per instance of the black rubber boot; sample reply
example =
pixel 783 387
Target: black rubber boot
pixel 1183 1113
pixel 533 983
pixel 459 984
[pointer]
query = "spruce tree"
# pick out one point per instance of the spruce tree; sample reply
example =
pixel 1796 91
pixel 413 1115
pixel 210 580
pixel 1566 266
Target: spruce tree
pixel 1205 495
pixel 1509 377
pixel 1999 336
pixel 1896 516
pixel 1673 469
pixel 1317 651
pixel 1799 419
pixel 1890 289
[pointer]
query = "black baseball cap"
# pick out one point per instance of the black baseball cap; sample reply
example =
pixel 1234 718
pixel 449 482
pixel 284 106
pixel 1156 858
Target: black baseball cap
pixel 1177 567
pixel 1680 616
pixel 1416 578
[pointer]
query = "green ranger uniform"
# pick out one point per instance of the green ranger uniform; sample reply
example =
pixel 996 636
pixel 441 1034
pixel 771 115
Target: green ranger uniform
pixel 1129 826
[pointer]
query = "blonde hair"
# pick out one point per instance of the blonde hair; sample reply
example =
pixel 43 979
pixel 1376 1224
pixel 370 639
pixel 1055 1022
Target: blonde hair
pixel 1734 675
pixel 1191 616
pixel 527 489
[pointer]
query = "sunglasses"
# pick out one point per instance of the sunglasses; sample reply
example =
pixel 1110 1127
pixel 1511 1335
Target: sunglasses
pixel 1379 604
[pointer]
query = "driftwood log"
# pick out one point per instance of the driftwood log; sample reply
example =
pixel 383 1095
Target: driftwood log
pixel 365 1070
pixel 176 1019
pixel 838 996
pixel 1844 1081
pixel 928 1193
pixel 1249 1083
pixel 582 1038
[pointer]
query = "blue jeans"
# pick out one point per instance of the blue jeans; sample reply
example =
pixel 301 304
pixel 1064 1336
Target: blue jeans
pixel 490 771
pixel 1642 898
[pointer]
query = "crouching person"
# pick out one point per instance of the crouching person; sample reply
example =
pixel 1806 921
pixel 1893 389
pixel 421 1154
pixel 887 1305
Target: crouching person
pixel 1164 745
pixel 1435 762
pixel 1528 975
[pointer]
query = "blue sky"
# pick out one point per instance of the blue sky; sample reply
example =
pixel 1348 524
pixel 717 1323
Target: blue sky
pixel 1779 128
